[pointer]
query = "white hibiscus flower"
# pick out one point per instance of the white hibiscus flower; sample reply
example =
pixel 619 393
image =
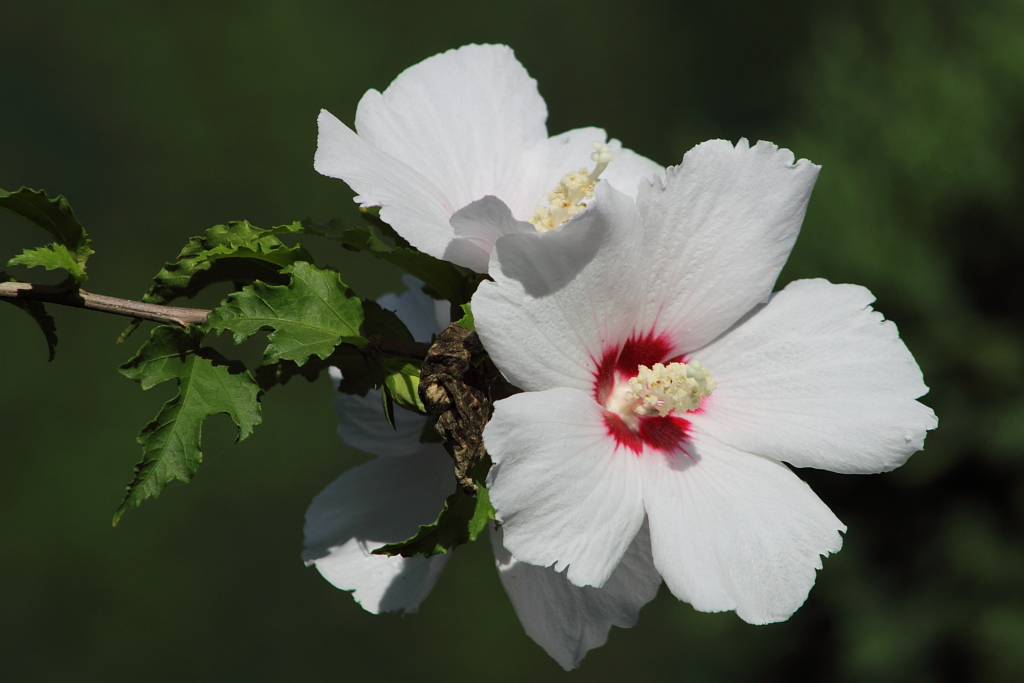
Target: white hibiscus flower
pixel 456 153
pixel 665 386
pixel 386 499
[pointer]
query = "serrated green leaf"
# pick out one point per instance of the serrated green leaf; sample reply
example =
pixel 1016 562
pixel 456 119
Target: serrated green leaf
pixel 310 316
pixel 467 317
pixel 52 257
pixel 381 322
pixel 403 384
pixel 160 359
pixel 52 215
pixel 235 252
pixel 208 384
pixel 281 372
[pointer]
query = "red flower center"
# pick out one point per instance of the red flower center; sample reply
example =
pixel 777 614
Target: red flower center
pixel 619 364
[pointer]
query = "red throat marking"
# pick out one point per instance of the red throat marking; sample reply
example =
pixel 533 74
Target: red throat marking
pixel 666 434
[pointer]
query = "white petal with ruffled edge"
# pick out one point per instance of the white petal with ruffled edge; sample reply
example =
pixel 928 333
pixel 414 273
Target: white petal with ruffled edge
pixel 560 298
pixel 730 530
pixel 454 128
pixel 471 119
pixel 567 620
pixel 718 231
pixel 409 200
pixel 628 170
pixel 817 379
pixel 564 494
pixel 382 501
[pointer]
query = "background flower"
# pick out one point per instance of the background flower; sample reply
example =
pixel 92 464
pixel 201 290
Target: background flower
pixel 386 499
pixel 456 153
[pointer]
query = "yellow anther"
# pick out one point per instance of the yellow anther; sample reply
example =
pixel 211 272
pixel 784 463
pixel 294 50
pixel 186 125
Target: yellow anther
pixel 572 193
pixel 660 389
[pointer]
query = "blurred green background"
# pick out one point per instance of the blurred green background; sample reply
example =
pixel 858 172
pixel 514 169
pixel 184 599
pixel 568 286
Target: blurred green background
pixel 158 120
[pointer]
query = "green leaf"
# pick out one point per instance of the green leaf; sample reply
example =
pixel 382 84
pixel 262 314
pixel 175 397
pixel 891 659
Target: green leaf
pixel 51 257
pixel 310 316
pixel 235 252
pixel 52 215
pixel 462 520
pixel 447 280
pixel 281 372
pixel 208 384
pixel 383 323
pixel 467 317
pixel 403 384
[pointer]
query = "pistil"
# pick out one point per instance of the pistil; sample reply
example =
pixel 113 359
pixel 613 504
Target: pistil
pixel 572 193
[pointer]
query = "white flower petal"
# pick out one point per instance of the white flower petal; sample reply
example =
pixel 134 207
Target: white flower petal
pixel 464 119
pixel 382 501
pixel 448 131
pixel 571 152
pixel 564 494
pixel 409 201
pixel 818 379
pixel 718 232
pixel 417 310
pixel 362 424
pixel 730 530
pixel 477 226
pixel 560 298
pixel 628 169
pixel 567 620
pixel 567 152
pixel 452 129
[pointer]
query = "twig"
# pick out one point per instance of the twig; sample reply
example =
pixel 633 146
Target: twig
pixel 79 298
pixel 166 315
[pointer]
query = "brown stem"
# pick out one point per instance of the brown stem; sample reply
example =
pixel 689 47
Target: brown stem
pixel 79 298
pixel 166 315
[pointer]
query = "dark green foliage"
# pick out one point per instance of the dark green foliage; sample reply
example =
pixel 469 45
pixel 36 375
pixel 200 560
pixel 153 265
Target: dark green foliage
pixel 51 257
pixel 467 317
pixel 208 384
pixel 55 217
pixel 402 383
pixel 236 252
pixel 310 316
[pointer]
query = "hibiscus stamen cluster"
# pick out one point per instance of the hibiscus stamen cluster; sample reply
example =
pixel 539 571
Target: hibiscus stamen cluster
pixel 660 389
pixel 572 193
